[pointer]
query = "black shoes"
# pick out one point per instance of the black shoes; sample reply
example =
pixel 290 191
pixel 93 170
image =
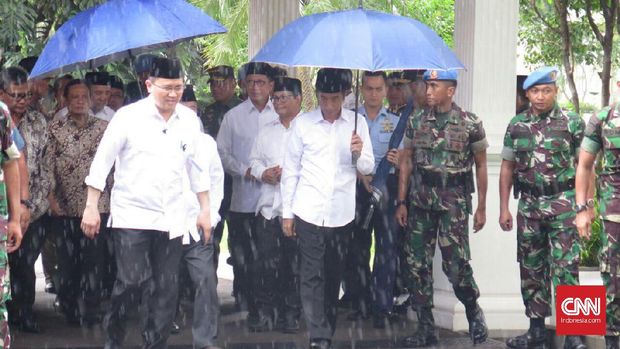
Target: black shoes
pixel 320 343
pixel 176 329
pixel 26 323
pixel 383 319
pixel 611 342
pixel 357 315
pixel 425 335
pixel 478 331
pixel 573 342
pixel 535 337
pixel 261 322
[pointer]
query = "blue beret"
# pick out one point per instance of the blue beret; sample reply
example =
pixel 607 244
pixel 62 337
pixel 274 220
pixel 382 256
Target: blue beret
pixel 544 75
pixel 440 75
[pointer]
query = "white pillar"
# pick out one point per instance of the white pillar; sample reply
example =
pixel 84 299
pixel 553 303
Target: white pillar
pixel 485 40
pixel 266 18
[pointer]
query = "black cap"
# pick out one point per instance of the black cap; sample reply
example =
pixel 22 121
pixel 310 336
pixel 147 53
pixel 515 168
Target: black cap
pixel 221 72
pixel 28 63
pixel 279 72
pixel 414 74
pixel 287 84
pixel 188 94
pixel 142 63
pixel 165 68
pixel 398 78
pixel 97 78
pixel 332 80
pixel 259 68
pixel 116 82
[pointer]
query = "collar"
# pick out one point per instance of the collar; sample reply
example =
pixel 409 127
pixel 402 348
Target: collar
pixel 554 113
pixel 268 106
pixel 90 120
pixel 151 101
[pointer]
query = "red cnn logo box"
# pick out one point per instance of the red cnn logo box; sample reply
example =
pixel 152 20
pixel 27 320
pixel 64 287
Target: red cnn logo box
pixel 580 310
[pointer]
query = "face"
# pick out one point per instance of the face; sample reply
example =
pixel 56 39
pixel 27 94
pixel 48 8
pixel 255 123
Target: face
pixel 40 87
pixel 330 103
pixel 193 105
pixel 374 91
pixel 439 92
pixel 100 95
pixel 418 90
pixel 78 99
pixel 60 98
pixel 286 104
pixel 117 98
pixel 222 90
pixel 396 94
pixel 258 87
pixel 542 97
pixel 16 98
pixel 166 92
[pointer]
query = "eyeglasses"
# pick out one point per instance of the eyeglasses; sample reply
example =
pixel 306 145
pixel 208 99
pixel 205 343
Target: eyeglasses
pixel 18 96
pixel 169 89
pixel 284 98
pixel 257 83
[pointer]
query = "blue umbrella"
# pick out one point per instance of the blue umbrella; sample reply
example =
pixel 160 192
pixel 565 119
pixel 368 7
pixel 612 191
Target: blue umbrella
pixel 358 39
pixel 121 28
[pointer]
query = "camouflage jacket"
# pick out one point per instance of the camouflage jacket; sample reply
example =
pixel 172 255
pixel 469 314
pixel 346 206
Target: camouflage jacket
pixel 213 114
pixel 544 149
pixel 603 133
pixel 9 151
pixel 443 147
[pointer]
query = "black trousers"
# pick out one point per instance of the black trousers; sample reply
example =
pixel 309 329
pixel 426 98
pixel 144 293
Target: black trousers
pixel 79 279
pixel 277 283
pixel 147 266
pixel 218 231
pixel 242 247
pixel 21 264
pixel 323 252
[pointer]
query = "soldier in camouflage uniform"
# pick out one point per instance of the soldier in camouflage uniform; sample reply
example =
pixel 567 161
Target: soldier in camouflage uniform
pixel 10 231
pixel 539 159
pixel 222 84
pixel 603 135
pixel 442 144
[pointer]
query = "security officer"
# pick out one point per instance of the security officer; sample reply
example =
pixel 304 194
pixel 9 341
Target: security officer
pixel 398 92
pixel 539 160
pixel 442 144
pixel 602 135
pixel 222 84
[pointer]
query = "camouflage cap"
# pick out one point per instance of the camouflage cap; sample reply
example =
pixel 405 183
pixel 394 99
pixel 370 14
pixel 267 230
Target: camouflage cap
pixel 220 73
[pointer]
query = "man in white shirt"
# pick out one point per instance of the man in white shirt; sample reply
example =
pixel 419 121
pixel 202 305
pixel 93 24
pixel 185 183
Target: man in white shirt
pixel 150 143
pixel 235 138
pixel 277 286
pixel 99 85
pixel 318 197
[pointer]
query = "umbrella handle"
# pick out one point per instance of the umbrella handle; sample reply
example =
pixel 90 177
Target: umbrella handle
pixel 357 93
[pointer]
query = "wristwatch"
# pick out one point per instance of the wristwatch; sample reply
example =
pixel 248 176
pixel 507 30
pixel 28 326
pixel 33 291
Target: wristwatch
pixel 580 207
pixel 27 203
pixel 590 203
pixel 400 202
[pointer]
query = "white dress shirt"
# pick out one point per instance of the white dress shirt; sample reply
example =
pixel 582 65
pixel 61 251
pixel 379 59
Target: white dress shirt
pixel 267 152
pixel 205 160
pixel 318 178
pixel 104 114
pixel 150 156
pixel 235 139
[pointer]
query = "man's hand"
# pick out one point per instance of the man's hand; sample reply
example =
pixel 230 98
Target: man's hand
pixel 272 175
pixel 203 222
pixel 24 220
pixel 356 145
pixel 401 215
pixel 91 221
pixel 584 224
pixel 505 220
pixel 392 157
pixel 366 182
pixel 248 174
pixel 480 219
pixel 14 236
pixel 288 227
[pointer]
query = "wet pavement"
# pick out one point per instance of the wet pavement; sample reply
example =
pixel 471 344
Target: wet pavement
pixel 233 334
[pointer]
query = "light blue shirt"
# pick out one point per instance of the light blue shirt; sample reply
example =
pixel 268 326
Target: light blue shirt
pixel 380 129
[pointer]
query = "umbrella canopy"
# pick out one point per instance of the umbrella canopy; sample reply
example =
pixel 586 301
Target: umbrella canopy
pixel 121 28
pixel 358 39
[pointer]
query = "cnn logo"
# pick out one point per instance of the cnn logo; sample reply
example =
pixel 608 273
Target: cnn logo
pixel 580 310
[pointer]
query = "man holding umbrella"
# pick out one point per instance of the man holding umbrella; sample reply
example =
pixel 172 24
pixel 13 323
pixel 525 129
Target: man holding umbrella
pixel 442 144
pixel 318 197
pixel 150 143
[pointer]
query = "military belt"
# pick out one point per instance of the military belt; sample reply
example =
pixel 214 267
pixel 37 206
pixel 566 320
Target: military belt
pixel 548 189
pixel 441 180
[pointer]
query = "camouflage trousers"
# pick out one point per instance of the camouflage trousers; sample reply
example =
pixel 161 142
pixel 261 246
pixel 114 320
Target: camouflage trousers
pixel 450 227
pixel 5 295
pixel 548 251
pixel 610 263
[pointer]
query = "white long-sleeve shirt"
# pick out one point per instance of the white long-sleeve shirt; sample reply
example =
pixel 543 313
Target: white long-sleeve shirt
pixel 150 156
pixel 205 160
pixel 318 178
pixel 267 152
pixel 235 139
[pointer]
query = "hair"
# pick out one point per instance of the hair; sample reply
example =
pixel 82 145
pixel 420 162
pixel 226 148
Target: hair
pixel 13 75
pixel 56 85
pixel 74 82
pixel 452 83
